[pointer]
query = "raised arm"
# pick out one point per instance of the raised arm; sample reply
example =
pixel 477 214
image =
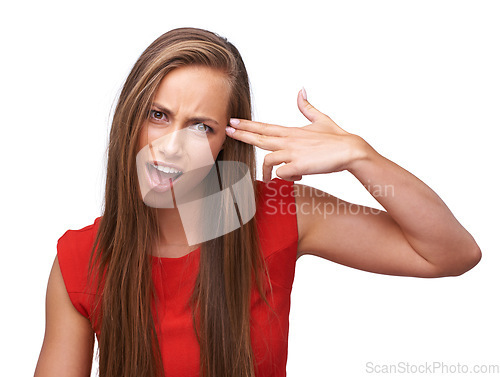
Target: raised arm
pixel 417 236
pixel 68 344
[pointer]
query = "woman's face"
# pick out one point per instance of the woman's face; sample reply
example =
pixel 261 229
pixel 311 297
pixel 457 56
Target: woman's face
pixel 183 134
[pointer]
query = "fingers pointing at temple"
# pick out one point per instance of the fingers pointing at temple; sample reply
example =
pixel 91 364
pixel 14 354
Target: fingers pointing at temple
pixel 258 127
pixel 272 137
pixel 263 135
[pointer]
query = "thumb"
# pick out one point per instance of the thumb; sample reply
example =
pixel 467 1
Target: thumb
pixel 309 111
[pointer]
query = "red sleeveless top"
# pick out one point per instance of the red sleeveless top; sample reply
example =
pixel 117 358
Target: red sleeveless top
pixel 277 228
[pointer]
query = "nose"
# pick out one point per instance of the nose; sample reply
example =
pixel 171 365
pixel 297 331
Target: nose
pixel 172 144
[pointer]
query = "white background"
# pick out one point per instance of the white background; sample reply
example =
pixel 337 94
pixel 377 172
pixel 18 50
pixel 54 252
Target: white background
pixel 418 80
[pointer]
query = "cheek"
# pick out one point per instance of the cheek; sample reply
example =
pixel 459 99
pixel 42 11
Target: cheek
pixel 216 145
pixel 149 134
pixel 143 139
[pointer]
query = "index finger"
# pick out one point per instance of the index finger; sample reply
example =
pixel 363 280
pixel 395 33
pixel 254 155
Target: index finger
pixel 259 127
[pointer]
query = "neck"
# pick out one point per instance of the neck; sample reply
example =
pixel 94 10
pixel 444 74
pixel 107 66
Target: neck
pixel 172 231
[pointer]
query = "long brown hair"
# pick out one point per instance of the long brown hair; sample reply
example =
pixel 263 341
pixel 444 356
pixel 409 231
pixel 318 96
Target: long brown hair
pixel 120 268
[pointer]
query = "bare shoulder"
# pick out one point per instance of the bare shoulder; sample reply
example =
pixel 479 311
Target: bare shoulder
pixel 68 343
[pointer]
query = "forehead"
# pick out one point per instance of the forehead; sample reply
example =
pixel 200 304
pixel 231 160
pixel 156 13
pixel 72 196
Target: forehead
pixel 194 90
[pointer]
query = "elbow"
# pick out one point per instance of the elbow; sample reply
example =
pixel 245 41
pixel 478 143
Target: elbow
pixel 473 258
pixel 470 258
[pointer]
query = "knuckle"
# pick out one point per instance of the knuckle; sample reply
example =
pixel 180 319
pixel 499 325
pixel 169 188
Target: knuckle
pixel 308 105
pixel 292 141
pixel 297 167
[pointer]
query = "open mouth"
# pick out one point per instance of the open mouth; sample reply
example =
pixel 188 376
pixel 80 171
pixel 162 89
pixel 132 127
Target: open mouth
pixel 161 175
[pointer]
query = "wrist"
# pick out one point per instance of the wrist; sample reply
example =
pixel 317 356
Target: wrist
pixel 362 154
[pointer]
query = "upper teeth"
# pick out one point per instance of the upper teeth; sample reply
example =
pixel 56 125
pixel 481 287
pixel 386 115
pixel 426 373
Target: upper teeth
pixel 166 169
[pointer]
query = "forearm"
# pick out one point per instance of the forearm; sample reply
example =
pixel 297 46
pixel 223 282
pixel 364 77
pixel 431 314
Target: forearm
pixel 425 220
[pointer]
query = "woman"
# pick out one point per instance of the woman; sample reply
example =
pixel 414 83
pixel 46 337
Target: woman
pixel 189 270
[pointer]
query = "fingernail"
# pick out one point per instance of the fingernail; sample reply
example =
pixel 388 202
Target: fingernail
pixel 304 94
pixel 234 121
pixel 230 130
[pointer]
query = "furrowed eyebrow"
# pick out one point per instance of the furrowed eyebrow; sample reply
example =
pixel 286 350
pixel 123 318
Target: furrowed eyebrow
pixel 194 119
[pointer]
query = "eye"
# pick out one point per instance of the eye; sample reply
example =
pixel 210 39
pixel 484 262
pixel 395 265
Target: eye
pixel 156 115
pixel 206 130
